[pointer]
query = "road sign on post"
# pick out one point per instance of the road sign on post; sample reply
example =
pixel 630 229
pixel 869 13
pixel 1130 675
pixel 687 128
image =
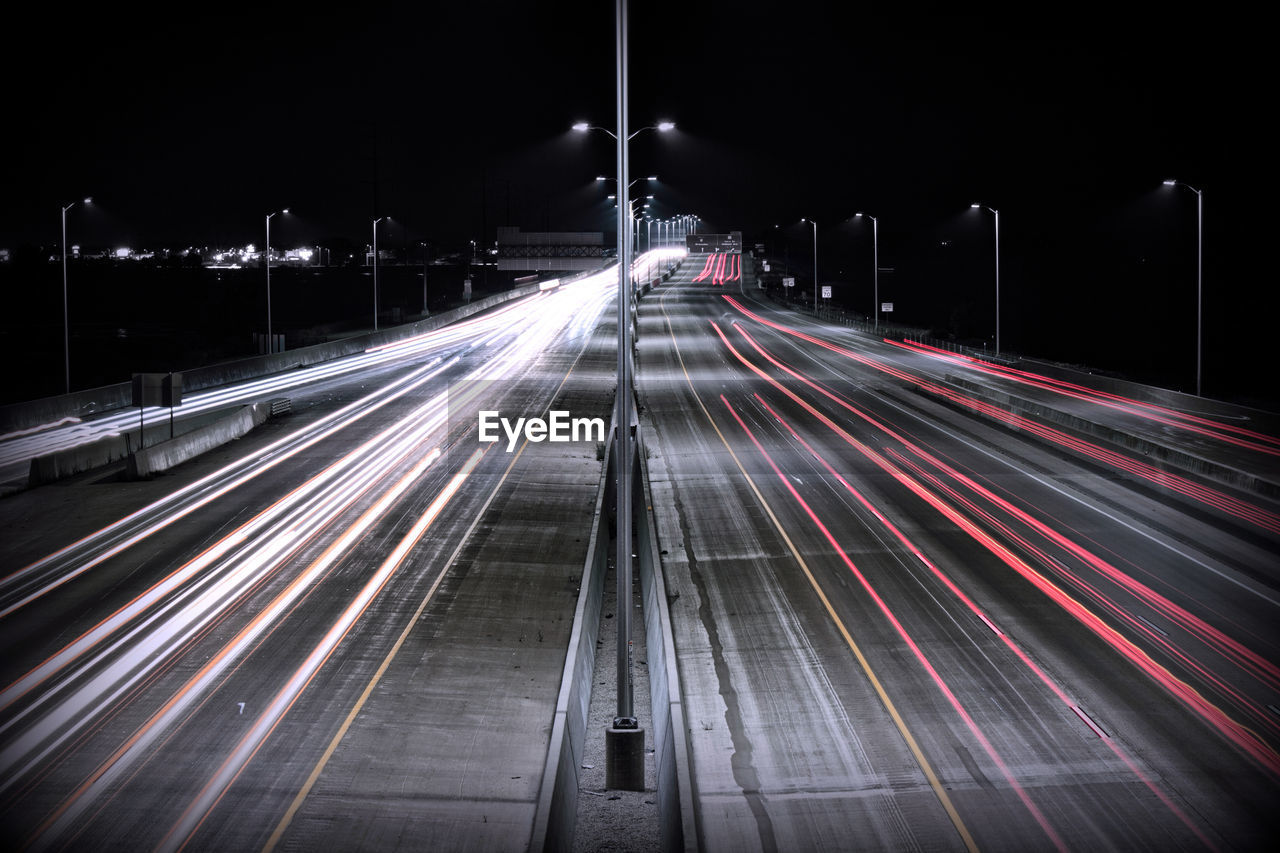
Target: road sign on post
pixel 788 282
pixel 886 307
pixel 147 389
pixel 702 244
pixel 170 389
pixel 146 392
pixel 155 389
pixel 171 394
pixel 826 291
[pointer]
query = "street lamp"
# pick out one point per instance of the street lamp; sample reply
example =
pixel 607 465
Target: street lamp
pixel 625 726
pixel 375 269
pixel 661 127
pixel 976 206
pixel 1199 272
pixel 271 345
pixel 426 312
pixel 875 259
pixel 815 264
pixel 66 327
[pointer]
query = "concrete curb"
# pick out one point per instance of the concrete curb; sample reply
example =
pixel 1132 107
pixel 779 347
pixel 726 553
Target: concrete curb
pixel 557 809
pixel 52 467
pixel 161 457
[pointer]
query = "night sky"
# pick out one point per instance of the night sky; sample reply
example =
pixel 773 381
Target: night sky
pixel 188 127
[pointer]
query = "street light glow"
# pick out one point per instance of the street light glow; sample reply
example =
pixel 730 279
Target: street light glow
pixel 1170 183
pixel 664 126
pixel 582 127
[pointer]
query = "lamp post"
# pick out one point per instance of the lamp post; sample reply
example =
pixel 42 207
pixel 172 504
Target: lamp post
pixel 625 725
pixel 66 326
pixel 375 270
pixel 997 216
pixel 425 310
pixel 602 178
pixel 875 259
pixel 1199 273
pixel 271 342
pixel 815 264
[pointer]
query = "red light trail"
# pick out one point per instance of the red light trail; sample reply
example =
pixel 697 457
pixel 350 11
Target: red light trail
pixel 1215 498
pixel 1244 738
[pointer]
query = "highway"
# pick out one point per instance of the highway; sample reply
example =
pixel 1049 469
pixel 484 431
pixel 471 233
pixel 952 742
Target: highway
pixel 904 616
pixel 197 661
pixel 905 619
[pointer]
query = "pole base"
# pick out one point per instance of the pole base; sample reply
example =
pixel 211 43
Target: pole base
pixel 624 759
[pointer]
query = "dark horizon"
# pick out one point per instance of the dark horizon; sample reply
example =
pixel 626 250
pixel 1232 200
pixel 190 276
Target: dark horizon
pixel 453 121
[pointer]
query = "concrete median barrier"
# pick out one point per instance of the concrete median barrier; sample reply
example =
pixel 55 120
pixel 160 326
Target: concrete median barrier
pixel 557 808
pixel 161 457
pixel 112 448
pixel 1154 451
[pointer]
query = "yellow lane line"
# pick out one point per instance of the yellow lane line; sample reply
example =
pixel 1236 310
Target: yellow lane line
pixel 901 724
pixel 302 794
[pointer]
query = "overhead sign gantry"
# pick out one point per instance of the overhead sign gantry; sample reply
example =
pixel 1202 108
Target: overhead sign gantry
pixel 730 243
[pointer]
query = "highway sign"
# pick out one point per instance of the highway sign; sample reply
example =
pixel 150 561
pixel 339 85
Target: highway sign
pixel 826 291
pixel 707 243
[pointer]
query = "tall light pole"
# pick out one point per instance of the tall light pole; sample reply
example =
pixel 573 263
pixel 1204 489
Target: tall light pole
pixel 66 326
pixel 625 725
pixel 375 270
pixel 271 342
pixel 601 178
pixel 875 259
pixel 624 718
pixel 976 206
pixel 815 264
pixel 425 311
pixel 1199 272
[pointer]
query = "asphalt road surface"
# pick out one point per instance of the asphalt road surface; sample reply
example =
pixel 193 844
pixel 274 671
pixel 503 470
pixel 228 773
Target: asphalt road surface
pixel 904 619
pixel 344 631
pixel 902 625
